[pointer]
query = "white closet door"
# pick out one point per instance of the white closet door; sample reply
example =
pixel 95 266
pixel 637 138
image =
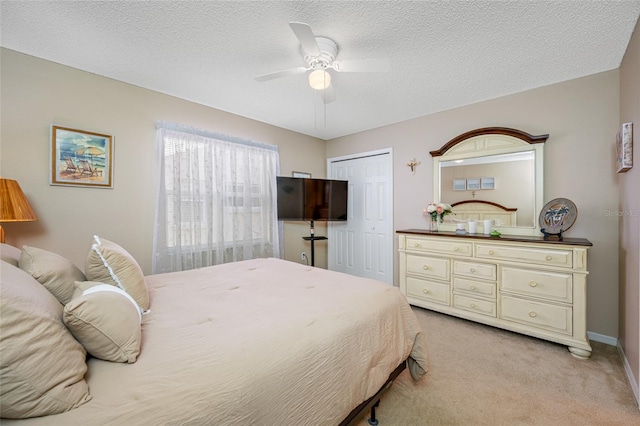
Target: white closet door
pixel 363 245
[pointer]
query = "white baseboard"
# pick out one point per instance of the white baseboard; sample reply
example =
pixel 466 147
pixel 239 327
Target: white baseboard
pixel 597 337
pixel 627 369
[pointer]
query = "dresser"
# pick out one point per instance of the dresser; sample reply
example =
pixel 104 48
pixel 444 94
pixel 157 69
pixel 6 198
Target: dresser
pixel 524 284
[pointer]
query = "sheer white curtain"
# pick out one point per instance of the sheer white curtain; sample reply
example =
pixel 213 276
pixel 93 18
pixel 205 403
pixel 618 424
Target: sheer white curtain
pixel 216 199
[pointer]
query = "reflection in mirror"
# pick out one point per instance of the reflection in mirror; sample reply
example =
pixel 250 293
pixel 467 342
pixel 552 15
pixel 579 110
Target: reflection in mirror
pixel 506 179
pixel 492 173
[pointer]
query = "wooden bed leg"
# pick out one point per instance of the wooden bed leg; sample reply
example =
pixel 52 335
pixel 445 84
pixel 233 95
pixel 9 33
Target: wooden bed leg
pixel 372 420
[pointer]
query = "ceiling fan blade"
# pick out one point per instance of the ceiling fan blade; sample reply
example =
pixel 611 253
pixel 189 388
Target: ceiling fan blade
pixel 279 74
pixel 306 38
pixel 328 95
pixel 362 65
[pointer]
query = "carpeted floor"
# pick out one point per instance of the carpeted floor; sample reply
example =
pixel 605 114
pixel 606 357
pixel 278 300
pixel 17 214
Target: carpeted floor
pixel 480 375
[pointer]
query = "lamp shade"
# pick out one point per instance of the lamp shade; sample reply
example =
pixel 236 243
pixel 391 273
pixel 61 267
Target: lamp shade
pixel 319 79
pixel 14 206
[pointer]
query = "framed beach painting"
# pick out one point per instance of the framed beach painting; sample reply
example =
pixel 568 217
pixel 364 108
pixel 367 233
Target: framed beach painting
pixel 81 158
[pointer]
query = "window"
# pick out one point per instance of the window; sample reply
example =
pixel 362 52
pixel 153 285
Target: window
pixel 216 199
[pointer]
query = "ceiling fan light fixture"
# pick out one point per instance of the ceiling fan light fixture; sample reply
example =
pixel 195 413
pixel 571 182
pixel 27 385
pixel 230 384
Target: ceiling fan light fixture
pixel 319 79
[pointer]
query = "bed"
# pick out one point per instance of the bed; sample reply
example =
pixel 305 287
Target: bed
pixel 480 210
pixel 262 341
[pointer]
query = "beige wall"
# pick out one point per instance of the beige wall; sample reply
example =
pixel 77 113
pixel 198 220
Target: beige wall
pixel 629 187
pixel 581 118
pixel 36 93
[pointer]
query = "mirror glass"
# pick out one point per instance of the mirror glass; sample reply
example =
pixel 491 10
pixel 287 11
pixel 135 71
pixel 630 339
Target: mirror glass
pixel 505 179
pixel 492 173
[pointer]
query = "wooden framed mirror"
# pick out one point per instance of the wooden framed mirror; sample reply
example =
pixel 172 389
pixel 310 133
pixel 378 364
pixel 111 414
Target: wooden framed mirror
pixel 504 175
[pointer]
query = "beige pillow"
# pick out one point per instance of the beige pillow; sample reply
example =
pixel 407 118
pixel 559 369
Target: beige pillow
pixel 9 254
pixel 42 366
pixel 106 321
pixel 109 263
pixel 56 273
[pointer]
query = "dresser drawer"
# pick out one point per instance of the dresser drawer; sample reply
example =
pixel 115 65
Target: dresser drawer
pixel 541 315
pixel 432 267
pixel 552 257
pixel 475 270
pixel 543 284
pixel 474 287
pixel 483 307
pixel 442 246
pixel 428 291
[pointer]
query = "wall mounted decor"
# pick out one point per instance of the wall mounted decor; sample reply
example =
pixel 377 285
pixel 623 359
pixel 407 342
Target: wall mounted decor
pixel 473 184
pixel 412 165
pixel 624 148
pixel 488 183
pixel 81 158
pixel 301 175
pixel 459 184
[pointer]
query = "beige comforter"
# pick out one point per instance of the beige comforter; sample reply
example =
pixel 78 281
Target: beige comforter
pixel 258 342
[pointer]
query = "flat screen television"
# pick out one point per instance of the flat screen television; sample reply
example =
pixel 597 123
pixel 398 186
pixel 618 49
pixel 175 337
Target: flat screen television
pixel 312 199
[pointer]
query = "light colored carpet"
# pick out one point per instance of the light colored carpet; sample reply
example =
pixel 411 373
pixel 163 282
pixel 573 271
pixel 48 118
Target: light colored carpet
pixel 480 375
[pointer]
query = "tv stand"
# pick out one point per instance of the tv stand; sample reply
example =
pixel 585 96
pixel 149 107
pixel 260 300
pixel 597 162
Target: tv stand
pixel 312 237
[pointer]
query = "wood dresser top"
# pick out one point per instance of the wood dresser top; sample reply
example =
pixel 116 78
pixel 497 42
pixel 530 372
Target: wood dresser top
pixel 503 237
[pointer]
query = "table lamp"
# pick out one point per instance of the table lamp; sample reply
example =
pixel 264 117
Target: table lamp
pixel 14 206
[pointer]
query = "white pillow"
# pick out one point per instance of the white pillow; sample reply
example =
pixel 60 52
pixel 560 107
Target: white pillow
pixel 109 263
pixel 43 366
pixel 56 273
pixel 106 321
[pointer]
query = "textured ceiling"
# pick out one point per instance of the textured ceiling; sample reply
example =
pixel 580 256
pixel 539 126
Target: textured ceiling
pixel 444 54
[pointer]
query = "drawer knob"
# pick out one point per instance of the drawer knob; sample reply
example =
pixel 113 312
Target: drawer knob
pixel 425 267
pixel 472 270
pixel 533 284
pixel 455 249
pixel 425 291
pixel 548 258
pixel 473 305
pixel 491 252
pixel 532 314
pixel 472 287
pixel 417 245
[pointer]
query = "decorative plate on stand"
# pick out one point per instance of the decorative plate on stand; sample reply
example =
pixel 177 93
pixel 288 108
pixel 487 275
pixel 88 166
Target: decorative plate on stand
pixel 557 216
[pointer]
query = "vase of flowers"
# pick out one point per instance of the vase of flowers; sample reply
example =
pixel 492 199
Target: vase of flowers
pixel 436 212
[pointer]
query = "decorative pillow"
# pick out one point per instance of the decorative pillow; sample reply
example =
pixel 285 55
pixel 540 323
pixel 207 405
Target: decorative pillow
pixel 42 366
pixel 106 321
pixel 109 263
pixel 56 273
pixel 9 254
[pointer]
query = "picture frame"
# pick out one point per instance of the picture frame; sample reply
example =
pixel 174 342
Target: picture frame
pixel 300 175
pixel 473 184
pixel 624 148
pixel 487 183
pixel 459 184
pixel 81 158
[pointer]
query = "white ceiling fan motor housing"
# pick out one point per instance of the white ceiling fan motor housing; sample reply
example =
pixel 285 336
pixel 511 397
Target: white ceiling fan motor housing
pixel 328 52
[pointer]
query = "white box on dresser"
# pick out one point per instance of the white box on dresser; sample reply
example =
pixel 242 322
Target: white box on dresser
pixel 524 284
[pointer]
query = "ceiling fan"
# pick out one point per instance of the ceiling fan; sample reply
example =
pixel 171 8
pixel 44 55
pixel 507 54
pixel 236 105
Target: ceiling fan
pixel 319 53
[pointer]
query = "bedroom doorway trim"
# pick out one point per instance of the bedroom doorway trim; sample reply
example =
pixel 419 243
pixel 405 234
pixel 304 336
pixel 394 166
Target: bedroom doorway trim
pixel 363 245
